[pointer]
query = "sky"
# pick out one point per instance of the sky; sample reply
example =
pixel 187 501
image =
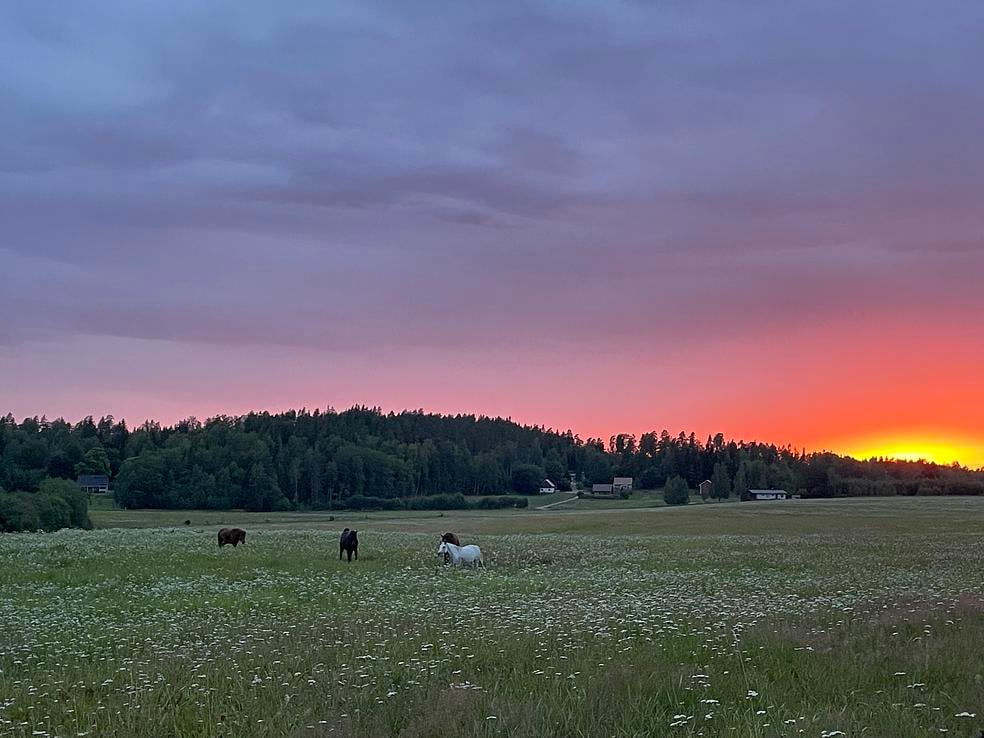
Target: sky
pixel 763 219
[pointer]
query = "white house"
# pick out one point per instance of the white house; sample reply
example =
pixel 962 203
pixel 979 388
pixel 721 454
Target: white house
pixel 768 494
pixel 547 487
pixel 622 483
pixel 93 483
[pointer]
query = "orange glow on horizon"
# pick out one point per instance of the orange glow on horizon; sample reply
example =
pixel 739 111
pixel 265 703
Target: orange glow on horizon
pixel 915 448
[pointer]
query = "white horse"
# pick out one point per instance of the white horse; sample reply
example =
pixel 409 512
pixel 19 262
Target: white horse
pixel 468 554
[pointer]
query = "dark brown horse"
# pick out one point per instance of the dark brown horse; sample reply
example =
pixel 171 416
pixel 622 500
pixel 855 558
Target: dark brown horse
pixel 449 538
pixel 235 536
pixel 348 543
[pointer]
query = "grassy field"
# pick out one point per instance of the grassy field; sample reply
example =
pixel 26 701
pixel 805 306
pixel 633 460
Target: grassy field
pixel 816 618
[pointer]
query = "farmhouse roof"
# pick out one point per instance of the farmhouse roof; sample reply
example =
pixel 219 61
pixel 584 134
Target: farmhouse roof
pixel 92 480
pixel 769 491
pixel 548 483
pixel 623 480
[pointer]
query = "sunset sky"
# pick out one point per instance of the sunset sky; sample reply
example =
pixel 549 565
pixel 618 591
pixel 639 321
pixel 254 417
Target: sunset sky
pixel 762 219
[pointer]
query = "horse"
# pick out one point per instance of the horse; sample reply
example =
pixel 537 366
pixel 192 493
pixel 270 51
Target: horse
pixel 235 536
pixel 449 538
pixel 348 543
pixel 468 554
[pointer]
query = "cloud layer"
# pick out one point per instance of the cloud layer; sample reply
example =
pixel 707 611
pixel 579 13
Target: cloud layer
pixel 530 179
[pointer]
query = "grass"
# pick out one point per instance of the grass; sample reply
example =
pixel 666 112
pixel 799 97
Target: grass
pixel 758 619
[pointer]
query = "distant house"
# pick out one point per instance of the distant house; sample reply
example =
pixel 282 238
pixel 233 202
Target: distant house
pixel 602 489
pixel 93 483
pixel 547 487
pixel 767 494
pixel 622 484
pixel 705 488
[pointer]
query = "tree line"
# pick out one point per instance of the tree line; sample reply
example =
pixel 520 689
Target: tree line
pixel 363 457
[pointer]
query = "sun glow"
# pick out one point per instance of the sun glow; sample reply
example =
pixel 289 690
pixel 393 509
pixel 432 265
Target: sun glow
pixel 938 450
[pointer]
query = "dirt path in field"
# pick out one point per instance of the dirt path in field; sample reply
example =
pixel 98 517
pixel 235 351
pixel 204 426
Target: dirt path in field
pixel 554 504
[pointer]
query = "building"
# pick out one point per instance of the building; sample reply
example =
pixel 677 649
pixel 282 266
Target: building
pixel 93 483
pixel 547 487
pixel 602 489
pixel 767 494
pixel 705 488
pixel 622 484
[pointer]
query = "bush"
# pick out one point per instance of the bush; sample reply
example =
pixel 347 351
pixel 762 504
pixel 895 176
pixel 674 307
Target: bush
pixel 17 512
pixel 59 503
pixel 53 511
pixel 76 500
pixel 364 502
pixel 676 491
pixel 434 502
pixel 437 502
pixel 501 502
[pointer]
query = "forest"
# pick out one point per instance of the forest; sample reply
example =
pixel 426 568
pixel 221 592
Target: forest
pixel 365 458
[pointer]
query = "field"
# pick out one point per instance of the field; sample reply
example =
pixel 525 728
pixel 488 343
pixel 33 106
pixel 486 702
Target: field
pixel 816 618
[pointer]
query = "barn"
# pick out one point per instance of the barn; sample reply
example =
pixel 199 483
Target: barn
pixel 767 494
pixel 547 487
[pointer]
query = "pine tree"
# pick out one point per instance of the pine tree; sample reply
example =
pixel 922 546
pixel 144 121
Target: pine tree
pixel 676 491
pixel 721 482
pixel 741 482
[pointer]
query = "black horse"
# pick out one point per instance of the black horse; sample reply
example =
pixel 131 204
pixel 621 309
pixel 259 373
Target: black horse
pixel 348 543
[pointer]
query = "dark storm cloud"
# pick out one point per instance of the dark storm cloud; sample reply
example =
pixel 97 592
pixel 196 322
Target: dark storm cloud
pixel 348 174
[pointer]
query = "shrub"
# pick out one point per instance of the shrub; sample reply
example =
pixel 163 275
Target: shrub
pixel 75 499
pixel 501 502
pixel 676 491
pixel 59 503
pixel 53 511
pixel 437 502
pixel 364 502
pixel 17 512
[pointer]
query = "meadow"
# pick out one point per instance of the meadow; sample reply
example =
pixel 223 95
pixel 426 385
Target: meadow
pixel 816 618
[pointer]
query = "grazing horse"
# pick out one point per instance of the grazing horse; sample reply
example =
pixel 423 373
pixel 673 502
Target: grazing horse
pixel 235 536
pixel 348 543
pixel 449 538
pixel 467 554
